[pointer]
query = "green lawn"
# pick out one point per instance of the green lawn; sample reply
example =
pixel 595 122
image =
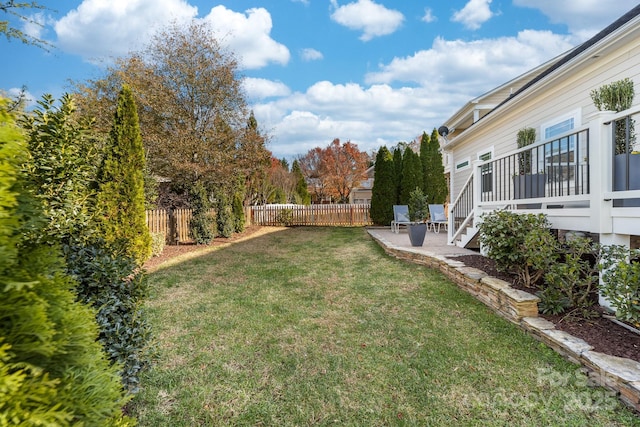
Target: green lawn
pixel 317 326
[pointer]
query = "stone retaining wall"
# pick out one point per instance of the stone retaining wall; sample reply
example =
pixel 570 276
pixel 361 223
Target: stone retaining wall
pixel 617 374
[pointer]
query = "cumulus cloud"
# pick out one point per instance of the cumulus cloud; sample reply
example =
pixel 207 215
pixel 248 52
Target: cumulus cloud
pixel 428 16
pixel 473 66
pixel 406 96
pixel 309 54
pixel 98 29
pixel 350 112
pixel 257 88
pixel 584 18
pixel 372 19
pixel 248 35
pixel 474 14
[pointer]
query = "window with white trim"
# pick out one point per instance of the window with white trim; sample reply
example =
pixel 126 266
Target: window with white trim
pixel 463 164
pixel 559 157
pixel 486 170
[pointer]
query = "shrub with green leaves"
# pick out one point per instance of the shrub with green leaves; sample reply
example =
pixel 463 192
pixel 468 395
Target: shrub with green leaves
pixel 521 244
pixel 202 223
pixel 572 282
pixel 285 217
pixel 53 371
pixel 116 289
pixel 238 213
pixel 120 202
pixel 224 217
pixel 620 268
pixel 158 241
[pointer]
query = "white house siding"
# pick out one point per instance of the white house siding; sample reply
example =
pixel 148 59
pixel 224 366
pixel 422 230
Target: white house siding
pixel 563 93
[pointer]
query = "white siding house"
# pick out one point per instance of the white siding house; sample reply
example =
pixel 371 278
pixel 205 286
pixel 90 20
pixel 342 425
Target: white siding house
pixel 574 149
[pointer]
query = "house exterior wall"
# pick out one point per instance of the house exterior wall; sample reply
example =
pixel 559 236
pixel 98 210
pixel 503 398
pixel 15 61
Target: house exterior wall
pixel 564 93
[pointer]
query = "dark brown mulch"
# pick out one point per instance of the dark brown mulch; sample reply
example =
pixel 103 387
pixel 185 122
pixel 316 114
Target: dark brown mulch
pixel 604 335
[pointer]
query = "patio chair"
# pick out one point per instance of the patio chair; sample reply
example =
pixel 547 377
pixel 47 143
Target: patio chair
pixel 400 217
pixel 438 218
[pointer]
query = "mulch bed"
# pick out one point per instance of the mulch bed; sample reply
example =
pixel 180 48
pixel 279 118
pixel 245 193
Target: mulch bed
pixel 604 335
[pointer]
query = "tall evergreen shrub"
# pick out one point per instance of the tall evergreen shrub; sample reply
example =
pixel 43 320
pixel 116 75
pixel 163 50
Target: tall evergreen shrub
pixel 53 371
pixel 383 194
pixel 224 216
pixel 397 173
pixel 435 183
pixel 202 227
pixel 411 175
pixel 302 189
pixel 120 200
pixel 238 213
pixel 62 177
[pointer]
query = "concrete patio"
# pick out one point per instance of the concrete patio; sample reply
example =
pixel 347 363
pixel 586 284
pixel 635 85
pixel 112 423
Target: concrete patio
pixel 435 244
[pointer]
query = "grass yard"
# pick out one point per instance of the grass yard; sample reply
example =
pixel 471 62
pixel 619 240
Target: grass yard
pixel 318 326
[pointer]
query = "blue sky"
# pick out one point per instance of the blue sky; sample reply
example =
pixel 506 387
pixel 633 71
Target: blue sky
pixel 374 72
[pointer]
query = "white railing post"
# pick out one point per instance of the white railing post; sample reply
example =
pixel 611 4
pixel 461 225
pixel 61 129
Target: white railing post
pixel 477 188
pixel 600 159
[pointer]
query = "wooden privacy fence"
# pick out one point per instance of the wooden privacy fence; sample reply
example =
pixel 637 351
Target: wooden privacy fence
pixel 174 223
pixel 318 215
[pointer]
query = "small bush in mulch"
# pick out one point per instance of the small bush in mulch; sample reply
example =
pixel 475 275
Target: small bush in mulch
pixel 590 325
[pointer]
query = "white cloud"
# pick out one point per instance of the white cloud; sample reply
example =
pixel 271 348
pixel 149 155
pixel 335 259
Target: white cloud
pixel 99 29
pixel 349 112
pixel 305 2
pixel 257 88
pixel 443 78
pixel 310 54
pixel 248 35
pixel 372 19
pixel 584 18
pixel 473 67
pixel 474 14
pixel 428 16
pixel 35 25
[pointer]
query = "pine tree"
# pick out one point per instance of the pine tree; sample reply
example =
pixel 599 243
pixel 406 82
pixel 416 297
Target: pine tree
pixel 302 189
pixel 411 175
pixel 120 200
pixel 383 193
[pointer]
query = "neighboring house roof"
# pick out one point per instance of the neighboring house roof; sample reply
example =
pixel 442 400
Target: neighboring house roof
pixel 529 81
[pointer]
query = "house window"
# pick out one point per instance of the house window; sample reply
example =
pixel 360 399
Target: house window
pixel 559 155
pixel 487 170
pixel 464 164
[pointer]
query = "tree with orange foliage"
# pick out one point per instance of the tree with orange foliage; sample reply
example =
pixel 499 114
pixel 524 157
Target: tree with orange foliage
pixel 334 171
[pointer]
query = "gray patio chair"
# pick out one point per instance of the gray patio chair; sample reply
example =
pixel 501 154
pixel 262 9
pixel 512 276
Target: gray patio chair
pixel 438 218
pixel 400 217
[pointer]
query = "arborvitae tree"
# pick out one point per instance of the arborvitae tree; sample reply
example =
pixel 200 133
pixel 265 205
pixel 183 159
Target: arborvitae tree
pixel 383 193
pixel 53 371
pixel 302 189
pixel 411 175
pixel 224 216
pixel 120 201
pixel 425 162
pixel 435 181
pixel 397 172
pixel 202 227
pixel 238 213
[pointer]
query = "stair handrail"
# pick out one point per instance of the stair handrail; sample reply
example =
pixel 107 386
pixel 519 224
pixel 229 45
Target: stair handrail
pixel 454 209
